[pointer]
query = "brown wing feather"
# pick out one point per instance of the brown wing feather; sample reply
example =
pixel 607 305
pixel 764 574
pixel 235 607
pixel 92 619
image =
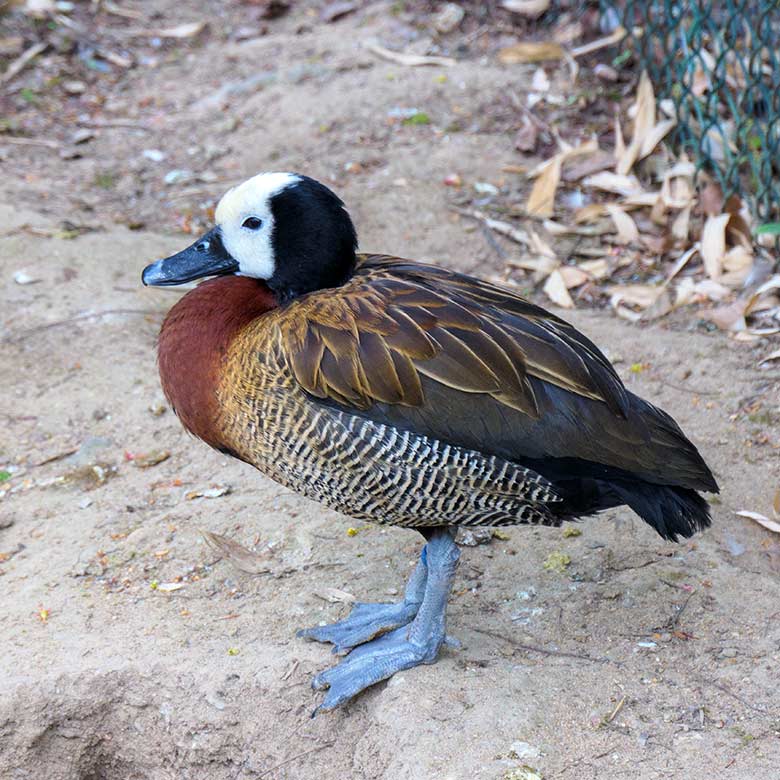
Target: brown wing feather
pixel 396 321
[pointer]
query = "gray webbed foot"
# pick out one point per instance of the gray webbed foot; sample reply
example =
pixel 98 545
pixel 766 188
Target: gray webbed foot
pixel 391 651
pixel 369 621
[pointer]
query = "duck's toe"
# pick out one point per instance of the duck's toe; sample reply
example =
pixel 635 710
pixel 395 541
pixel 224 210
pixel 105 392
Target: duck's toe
pixel 364 623
pixel 373 662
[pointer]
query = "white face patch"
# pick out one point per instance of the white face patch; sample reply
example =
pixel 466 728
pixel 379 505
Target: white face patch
pixel 252 249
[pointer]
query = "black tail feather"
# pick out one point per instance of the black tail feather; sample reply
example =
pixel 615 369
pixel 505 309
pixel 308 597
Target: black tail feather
pixel 672 511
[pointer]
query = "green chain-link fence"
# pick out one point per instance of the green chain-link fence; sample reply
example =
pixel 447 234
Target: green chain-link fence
pixel 720 64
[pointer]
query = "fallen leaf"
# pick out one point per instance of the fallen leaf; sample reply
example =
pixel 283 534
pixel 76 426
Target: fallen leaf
pixel 763 520
pixel 573 276
pixel 644 120
pixel 149 459
pixel 541 200
pixel 529 8
pixel 169 587
pixel 621 184
pixel 236 554
pixel 555 289
pixel 772 356
pixel 335 596
pixel 713 244
pixel 641 295
pixel 598 269
pixel 626 228
pixel 213 492
pixel 711 198
pixel 531 51
pixel 776 505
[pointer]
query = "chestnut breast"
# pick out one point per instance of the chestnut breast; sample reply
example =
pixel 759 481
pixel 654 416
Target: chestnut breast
pixel 193 347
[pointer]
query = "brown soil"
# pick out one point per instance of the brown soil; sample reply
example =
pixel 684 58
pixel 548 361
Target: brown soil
pixel 639 659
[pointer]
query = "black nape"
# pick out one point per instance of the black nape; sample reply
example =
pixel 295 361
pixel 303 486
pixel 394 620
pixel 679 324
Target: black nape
pixel 314 240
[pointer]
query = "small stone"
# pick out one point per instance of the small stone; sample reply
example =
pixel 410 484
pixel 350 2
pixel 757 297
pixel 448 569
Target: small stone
pixel 81 136
pixel 5 522
pixel 523 750
pixel 157 409
pixel 85 503
pixel 22 277
pixel 728 652
pixel 449 16
pixel 155 155
pixel 74 87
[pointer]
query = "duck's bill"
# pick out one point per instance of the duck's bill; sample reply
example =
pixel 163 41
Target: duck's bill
pixel 206 257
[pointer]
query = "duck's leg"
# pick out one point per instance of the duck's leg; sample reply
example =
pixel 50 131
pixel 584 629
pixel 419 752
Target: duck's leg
pixel 367 621
pixel 405 647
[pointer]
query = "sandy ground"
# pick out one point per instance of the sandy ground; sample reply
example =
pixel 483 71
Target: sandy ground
pixel 639 659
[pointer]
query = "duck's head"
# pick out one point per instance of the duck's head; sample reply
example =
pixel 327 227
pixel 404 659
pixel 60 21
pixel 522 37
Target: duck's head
pixel 284 228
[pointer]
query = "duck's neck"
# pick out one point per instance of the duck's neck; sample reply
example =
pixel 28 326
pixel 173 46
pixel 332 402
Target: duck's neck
pixel 193 343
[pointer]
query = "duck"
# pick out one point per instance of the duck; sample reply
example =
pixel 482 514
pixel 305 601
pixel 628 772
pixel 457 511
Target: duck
pixel 403 393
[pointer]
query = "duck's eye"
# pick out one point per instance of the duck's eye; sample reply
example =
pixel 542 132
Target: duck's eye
pixel 252 223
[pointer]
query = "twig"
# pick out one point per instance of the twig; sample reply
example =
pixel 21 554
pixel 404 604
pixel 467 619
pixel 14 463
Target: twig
pixel 733 695
pixel 58 456
pixel 23 60
pixel 599 43
pixel 504 228
pixel 691 390
pixel 18 141
pixel 612 715
pixel 128 123
pixel 412 60
pixel 543 650
pixel 25 334
pixel 672 624
pixel 295 757
pixel 492 243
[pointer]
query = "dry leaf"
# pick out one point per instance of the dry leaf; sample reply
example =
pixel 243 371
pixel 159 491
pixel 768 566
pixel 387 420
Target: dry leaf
pixel 763 520
pixel 529 8
pixel 539 245
pixel 644 120
pixel 625 226
pixel 614 182
pixel 589 213
pixel 541 201
pixel 335 596
pixel 531 51
pixel 236 554
pixel 772 356
pixel 573 276
pixel 729 317
pixel 776 504
pixel 712 290
pixel 598 269
pixel 641 295
pixel 169 587
pixel 555 289
pixel 681 224
pixel 713 244
pixel 711 198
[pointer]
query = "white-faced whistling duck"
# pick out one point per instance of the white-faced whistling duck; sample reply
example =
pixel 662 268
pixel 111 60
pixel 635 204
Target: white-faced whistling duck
pixel 403 393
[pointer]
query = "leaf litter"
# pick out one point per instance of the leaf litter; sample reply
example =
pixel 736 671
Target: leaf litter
pixel 647 234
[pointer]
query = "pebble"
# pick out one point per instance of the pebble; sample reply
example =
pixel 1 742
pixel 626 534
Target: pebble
pixel 85 502
pixel 522 750
pixel 155 155
pixel 22 277
pixel 449 16
pixel 728 652
pixel 74 87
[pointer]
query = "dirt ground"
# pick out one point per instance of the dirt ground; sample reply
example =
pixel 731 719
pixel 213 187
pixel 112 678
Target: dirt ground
pixel 130 651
